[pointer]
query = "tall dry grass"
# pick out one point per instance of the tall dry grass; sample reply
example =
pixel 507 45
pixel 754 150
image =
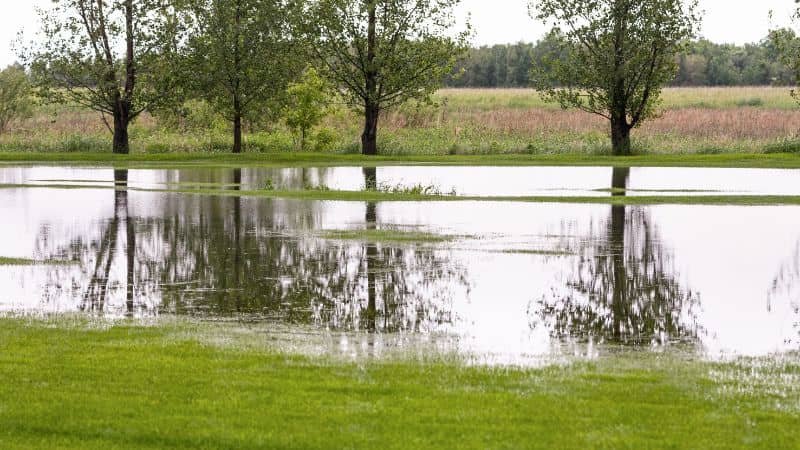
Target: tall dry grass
pixel 476 120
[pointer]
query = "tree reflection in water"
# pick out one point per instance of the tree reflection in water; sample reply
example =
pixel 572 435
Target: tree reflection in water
pixel 248 258
pixel 623 288
pixel 785 286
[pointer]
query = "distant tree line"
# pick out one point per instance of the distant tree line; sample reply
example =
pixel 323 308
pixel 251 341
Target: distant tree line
pixel 702 63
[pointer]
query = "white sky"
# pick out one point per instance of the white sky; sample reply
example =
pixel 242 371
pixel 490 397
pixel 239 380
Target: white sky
pixel 494 21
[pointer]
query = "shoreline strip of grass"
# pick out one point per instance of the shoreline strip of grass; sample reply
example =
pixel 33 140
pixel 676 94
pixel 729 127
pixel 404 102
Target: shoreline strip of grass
pixel 221 160
pixel 6 261
pixel 378 196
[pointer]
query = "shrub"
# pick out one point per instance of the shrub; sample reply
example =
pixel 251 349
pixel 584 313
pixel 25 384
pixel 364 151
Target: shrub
pixel 308 104
pixel 786 146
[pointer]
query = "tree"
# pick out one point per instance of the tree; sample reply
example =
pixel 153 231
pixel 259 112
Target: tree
pixel 382 53
pixel 786 44
pixel 98 54
pixel 619 54
pixel 240 56
pixel 307 104
pixel 15 92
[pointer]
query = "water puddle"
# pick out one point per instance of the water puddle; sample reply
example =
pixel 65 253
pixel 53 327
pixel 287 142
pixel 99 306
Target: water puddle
pixel 467 181
pixel 509 281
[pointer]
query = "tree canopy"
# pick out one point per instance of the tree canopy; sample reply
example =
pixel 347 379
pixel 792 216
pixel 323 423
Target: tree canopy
pixel 382 53
pixel 240 55
pixel 101 55
pixel 615 58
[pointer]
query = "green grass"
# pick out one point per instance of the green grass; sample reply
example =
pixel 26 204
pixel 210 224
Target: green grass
pixel 286 159
pixel 379 196
pixel 386 235
pixel 5 261
pixel 132 387
pixel 672 98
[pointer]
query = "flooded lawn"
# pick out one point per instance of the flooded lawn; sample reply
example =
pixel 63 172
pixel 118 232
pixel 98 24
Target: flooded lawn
pixel 468 181
pixel 505 281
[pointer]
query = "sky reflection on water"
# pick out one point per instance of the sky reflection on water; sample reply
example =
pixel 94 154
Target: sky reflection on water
pixel 518 279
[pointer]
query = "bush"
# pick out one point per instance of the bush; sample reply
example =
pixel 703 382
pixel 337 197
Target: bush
pixel 786 146
pixel 753 102
pixel 325 140
pixel 80 143
pixel 191 115
pixel 273 142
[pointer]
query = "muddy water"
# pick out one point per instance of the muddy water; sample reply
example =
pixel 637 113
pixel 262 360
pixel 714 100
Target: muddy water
pixel 516 280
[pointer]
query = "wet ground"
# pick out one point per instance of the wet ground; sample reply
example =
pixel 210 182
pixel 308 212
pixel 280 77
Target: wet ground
pixel 513 281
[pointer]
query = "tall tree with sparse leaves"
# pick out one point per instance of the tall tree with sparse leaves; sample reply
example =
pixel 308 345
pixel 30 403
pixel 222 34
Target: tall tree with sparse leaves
pixel 240 56
pixel 615 57
pixel 382 53
pixel 99 54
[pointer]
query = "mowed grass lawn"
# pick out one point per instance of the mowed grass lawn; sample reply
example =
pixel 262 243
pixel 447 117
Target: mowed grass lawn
pixel 136 387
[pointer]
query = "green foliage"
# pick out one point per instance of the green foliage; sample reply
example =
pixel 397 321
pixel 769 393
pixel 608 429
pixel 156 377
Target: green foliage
pixel 622 48
pixel 192 115
pixel 307 104
pixel 787 45
pixel 700 63
pixel 785 146
pixel 704 63
pixel 325 140
pixel 239 56
pixel 381 54
pixel 103 55
pixel 15 96
pixel 412 53
pixel 615 56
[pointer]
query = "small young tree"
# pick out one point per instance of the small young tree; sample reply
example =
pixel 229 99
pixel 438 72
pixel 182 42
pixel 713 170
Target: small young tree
pixel 307 104
pixel 382 53
pixel 240 57
pixel 15 96
pixel 95 53
pixel 615 57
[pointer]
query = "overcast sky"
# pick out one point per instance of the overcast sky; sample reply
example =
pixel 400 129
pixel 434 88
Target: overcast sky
pixel 495 21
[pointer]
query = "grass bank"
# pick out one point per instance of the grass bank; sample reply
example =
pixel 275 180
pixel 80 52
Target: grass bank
pixel 132 387
pixel 298 159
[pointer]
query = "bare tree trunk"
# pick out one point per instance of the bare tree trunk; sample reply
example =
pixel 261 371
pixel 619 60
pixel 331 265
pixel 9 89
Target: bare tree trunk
pixel 122 108
pixel 121 122
pixel 620 137
pixel 237 133
pixel 369 139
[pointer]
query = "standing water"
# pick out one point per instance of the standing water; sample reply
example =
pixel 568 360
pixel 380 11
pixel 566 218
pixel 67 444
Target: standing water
pixel 502 280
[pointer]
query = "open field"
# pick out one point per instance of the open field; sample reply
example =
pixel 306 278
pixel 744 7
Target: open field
pixel 75 386
pixel 468 121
